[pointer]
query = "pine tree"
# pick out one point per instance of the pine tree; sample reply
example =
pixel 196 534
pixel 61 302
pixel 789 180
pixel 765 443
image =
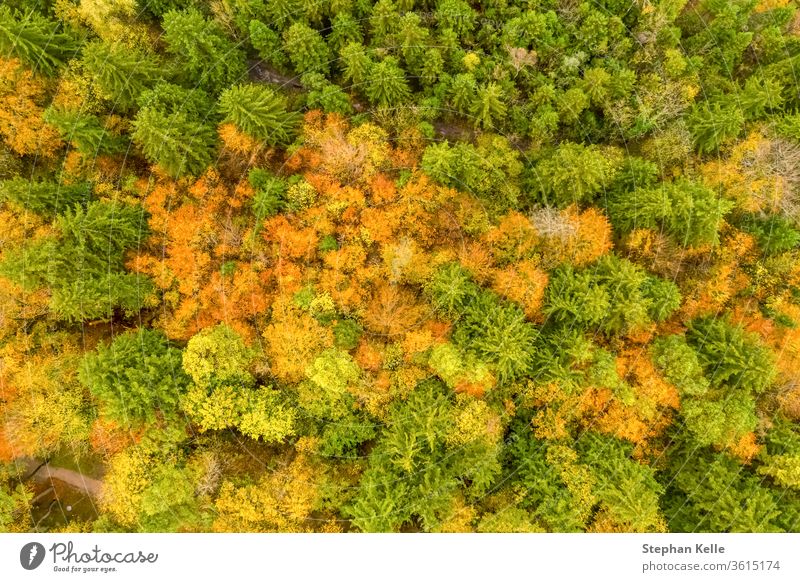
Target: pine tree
pixel 87 133
pixel 176 142
pixel 355 64
pixel 121 72
pixel 488 109
pixel 35 40
pixel 715 124
pixel 211 60
pixel 45 197
pixel 268 43
pixel 83 265
pixel 574 173
pixel 259 112
pixel 136 376
pixel 386 83
pixel 306 49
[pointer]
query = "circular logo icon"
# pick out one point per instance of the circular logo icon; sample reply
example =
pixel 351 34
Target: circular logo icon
pixel 31 555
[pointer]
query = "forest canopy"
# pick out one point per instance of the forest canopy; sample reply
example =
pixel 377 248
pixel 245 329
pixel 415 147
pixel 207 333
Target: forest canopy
pixel 402 265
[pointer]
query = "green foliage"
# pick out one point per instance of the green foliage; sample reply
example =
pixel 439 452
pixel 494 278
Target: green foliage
pixel 715 124
pixel 412 475
pixel 216 354
pixel 680 365
pixel 451 289
pixel 385 83
pixel 211 61
pixel 355 64
pixel 83 267
pixel 121 72
pixel 306 49
pixel 627 489
pixel 267 43
pixel 259 112
pixel 711 492
pixel 346 334
pixel 490 170
pixel 324 95
pixel 269 197
pixel 137 375
pixel 37 41
pixel 497 333
pixel 616 295
pixel 730 356
pixel 776 234
pixel 488 108
pixel 688 211
pixel 574 173
pixel 87 133
pixel 44 197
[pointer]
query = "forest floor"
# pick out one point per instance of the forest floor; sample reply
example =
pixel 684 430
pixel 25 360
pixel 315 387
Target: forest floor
pixel 62 495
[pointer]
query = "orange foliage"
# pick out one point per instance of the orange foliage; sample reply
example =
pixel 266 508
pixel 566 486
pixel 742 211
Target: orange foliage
pixel 746 448
pixel 513 239
pixel 478 260
pixel 523 283
pixel 392 311
pixel 368 355
pixel 108 438
pixel 290 241
pixel 22 97
pixel 294 339
pixel 239 142
pixel 650 410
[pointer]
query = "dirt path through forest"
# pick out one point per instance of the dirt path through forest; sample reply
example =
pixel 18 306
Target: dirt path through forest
pixel 46 473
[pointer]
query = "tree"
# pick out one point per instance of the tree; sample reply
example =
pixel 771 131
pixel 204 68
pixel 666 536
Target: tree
pixel 345 30
pixel 574 173
pixel 355 64
pixel 22 97
pixel 170 136
pixel 269 197
pixel 688 211
pixel 488 109
pixel 730 356
pixel 224 392
pixel 325 95
pixel 216 353
pixel 122 73
pixel 37 41
pixel 268 43
pixel 498 334
pixel 211 61
pixel 715 124
pixel 87 133
pixel 386 83
pixel 45 197
pixel 135 376
pixel 84 266
pixel 259 112
pixel 412 473
pixel 306 49
pixel 463 92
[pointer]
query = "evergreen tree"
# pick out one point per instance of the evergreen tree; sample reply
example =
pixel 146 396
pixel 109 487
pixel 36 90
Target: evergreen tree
pixel 306 49
pixel 386 83
pixel 84 265
pixel 122 73
pixel 43 196
pixel 259 112
pixel 35 40
pixel 211 61
pixel 176 142
pixel 135 376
